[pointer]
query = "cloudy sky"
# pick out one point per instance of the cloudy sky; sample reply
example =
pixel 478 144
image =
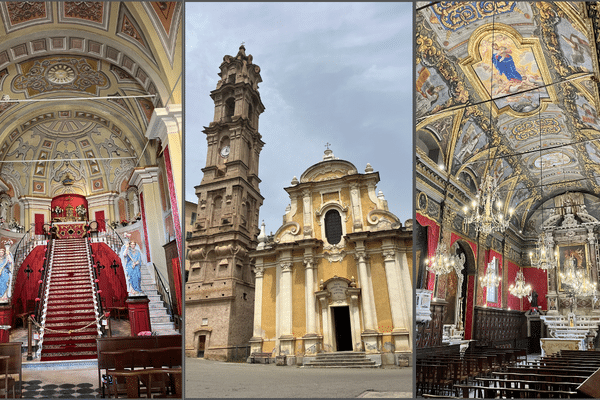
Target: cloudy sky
pixel 338 73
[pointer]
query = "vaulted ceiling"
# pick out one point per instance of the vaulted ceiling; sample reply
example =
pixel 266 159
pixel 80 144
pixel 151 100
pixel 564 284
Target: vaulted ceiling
pixel 509 89
pixel 80 81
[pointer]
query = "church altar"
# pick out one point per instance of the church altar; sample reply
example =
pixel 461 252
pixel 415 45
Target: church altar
pixel 551 346
pixel 69 230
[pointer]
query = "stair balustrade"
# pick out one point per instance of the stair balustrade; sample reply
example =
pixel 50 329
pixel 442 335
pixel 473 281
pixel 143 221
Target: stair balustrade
pixel 41 306
pixel 95 286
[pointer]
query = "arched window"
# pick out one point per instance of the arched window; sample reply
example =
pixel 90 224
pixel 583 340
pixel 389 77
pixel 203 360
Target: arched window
pixel 230 107
pixel 333 227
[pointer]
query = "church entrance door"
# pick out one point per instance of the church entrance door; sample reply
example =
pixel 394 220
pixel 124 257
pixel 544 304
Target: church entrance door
pixel 342 329
pixel 201 345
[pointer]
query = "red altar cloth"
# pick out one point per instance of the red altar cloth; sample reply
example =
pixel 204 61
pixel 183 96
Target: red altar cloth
pixel 70 230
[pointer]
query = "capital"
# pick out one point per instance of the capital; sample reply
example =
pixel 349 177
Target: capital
pixel 259 271
pixel 286 267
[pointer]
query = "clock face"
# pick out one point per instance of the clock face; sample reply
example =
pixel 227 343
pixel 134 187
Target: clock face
pixel 225 152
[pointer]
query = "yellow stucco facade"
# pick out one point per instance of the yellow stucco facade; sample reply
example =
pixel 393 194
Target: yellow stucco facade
pixel 336 275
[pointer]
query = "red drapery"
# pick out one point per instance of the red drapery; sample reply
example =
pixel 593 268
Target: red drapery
pixel 26 289
pixel 113 286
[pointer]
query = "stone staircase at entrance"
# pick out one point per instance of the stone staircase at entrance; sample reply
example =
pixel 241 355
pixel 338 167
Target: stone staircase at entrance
pixel 342 359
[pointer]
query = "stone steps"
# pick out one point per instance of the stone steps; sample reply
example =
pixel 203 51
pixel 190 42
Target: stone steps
pixel 341 359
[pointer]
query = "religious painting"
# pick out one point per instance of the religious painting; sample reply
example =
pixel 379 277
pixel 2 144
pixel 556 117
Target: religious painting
pixel 587 113
pixel 470 142
pixel 574 257
pixel 431 91
pixel 442 128
pixel 593 152
pixel 501 169
pixel 550 160
pixel 507 68
pixel 574 45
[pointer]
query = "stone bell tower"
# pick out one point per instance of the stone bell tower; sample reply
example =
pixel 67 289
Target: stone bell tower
pixel 220 285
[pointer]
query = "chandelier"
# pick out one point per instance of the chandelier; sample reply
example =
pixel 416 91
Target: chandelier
pixel 490 279
pixel 579 284
pixel 442 262
pixel 520 289
pixel 543 258
pixel 486 219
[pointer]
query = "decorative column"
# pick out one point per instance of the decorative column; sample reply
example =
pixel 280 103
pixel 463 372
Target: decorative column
pixel 369 334
pixel 285 296
pixel 146 180
pixel 323 297
pixel 400 334
pixel 311 339
pixel 257 334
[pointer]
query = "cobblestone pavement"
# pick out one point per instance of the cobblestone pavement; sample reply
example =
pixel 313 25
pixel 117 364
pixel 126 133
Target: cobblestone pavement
pixel 209 379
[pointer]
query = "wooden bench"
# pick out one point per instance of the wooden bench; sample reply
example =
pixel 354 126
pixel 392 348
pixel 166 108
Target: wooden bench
pixel 166 349
pixel 255 357
pixel 13 367
pixel 153 382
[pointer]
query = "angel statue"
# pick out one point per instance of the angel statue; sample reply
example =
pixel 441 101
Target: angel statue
pixel 6 270
pixel 131 258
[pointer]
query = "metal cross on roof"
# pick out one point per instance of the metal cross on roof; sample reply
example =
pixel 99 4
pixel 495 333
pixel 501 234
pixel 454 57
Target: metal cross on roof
pixel 327 145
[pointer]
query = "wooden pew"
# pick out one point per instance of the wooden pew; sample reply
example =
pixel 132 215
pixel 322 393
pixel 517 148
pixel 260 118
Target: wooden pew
pixel 108 347
pixel 14 367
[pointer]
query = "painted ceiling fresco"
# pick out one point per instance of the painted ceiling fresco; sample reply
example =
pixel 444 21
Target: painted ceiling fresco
pixel 508 88
pixel 109 55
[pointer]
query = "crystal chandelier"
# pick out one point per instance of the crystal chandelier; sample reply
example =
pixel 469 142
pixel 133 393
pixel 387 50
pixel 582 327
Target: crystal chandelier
pixel 543 258
pixel 490 279
pixel 486 219
pixel 578 283
pixel 520 289
pixel 442 262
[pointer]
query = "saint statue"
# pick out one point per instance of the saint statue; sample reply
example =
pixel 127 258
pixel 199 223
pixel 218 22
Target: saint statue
pixel 131 258
pixel 6 270
pixel 534 299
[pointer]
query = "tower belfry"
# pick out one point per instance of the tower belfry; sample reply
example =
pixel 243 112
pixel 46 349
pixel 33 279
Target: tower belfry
pixel 220 285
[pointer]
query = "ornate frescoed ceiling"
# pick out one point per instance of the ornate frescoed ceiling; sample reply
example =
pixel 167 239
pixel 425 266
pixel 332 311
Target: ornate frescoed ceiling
pixel 79 82
pixel 510 89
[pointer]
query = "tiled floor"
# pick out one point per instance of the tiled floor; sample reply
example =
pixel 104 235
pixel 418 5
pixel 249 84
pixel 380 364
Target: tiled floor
pixel 59 380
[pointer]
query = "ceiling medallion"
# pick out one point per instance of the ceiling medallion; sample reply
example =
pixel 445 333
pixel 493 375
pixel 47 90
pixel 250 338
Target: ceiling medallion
pixel 60 74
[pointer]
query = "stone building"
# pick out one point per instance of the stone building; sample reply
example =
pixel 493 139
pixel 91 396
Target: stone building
pixel 220 286
pixel 336 276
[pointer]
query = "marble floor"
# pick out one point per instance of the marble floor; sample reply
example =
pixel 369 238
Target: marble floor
pixel 60 380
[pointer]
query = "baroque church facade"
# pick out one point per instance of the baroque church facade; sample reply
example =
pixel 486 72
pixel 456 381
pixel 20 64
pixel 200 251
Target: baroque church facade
pixel 506 175
pixel 336 276
pixel 91 141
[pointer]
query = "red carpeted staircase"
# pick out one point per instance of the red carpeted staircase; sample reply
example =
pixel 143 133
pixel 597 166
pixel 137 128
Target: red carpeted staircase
pixel 70 304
